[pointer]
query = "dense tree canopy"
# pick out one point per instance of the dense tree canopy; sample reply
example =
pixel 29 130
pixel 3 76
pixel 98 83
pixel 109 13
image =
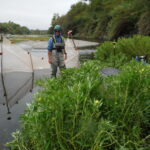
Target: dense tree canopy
pixel 106 19
pixel 13 28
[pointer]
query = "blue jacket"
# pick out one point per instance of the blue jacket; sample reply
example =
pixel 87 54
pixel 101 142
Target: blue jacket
pixel 51 42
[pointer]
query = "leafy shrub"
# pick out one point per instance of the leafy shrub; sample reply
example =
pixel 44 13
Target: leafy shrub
pixel 111 54
pixel 136 46
pixel 125 49
pixel 83 110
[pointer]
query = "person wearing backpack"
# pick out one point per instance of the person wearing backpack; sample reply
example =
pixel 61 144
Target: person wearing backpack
pixel 56 51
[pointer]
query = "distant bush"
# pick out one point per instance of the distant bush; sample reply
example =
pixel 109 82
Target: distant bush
pixel 13 28
pixel 125 49
pixel 110 53
pixel 138 45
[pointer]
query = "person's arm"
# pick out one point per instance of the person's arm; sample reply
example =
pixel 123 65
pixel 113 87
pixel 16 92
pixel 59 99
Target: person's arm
pixel 50 47
pixel 64 51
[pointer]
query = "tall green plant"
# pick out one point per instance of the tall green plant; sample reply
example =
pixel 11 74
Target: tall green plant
pixel 125 47
pixel 84 110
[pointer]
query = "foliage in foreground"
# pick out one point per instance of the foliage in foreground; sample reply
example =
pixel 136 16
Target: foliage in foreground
pixel 83 110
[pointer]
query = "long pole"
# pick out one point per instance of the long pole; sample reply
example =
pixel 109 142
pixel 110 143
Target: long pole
pixel 32 67
pixel 73 42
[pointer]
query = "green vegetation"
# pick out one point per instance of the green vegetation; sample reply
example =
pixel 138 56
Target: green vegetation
pixel 107 19
pixel 97 19
pixel 13 28
pixel 125 49
pixel 84 110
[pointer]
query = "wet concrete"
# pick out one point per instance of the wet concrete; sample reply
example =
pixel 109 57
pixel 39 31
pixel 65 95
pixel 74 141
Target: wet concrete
pixel 81 44
pixel 86 54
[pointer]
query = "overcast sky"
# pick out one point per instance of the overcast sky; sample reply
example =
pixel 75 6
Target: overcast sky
pixel 35 14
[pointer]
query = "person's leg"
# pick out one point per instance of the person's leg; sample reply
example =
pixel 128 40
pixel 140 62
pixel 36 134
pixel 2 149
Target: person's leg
pixel 54 70
pixel 61 63
pixel 54 64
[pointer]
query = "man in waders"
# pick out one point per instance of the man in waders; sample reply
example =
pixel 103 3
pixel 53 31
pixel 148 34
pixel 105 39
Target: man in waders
pixel 56 51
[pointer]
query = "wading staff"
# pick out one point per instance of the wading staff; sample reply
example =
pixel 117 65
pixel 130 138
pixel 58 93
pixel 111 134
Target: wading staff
pixel 74 42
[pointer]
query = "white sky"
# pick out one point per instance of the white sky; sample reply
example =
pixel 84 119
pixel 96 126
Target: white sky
pixel 34 14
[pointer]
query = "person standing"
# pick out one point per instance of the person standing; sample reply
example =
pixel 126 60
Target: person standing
pixel 56 51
